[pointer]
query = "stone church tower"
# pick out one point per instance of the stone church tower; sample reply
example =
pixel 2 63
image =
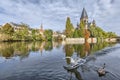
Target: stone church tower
pixel 84 17
pixel 41 30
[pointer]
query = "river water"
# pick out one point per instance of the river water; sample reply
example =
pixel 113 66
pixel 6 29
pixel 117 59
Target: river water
pixel 46 61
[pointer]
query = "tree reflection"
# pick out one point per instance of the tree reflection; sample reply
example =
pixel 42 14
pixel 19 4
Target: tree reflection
pixel 69 50
pixel 8 52
pixel 48 46
pixel 22 49
pixel 85 49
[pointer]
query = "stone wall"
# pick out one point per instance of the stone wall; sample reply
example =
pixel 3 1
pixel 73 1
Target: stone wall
pixel 75 40
pixel 92 40
pixel 79 40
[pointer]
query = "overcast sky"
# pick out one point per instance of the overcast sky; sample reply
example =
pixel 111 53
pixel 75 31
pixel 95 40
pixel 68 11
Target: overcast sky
pixel 52 13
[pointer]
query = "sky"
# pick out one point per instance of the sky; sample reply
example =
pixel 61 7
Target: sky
pixel 53 13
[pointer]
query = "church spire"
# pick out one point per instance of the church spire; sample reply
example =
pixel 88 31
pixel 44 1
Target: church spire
pixel 84 15
pixel 41 27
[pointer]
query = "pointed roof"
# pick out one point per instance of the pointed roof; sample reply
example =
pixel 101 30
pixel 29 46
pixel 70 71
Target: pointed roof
pixel 93 22
pixel 84 14
pixel 41 26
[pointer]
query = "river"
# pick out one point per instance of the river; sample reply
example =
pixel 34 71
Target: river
pixel 46 61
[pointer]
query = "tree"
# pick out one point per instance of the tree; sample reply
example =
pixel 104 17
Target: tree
pixel 48 34
pixel 7 32
pixel 22 33
pixel 23 25
pixel 87 34
pixel 7 29
pixel 80 32
pixel 111 34
pixel 97 32
pixel 33 34
pixel 92 31
pixel 82 29
pixel 76 34
pixel 69 28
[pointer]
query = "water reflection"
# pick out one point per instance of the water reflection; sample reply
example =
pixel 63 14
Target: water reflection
pixel 22 50
pixel 84 50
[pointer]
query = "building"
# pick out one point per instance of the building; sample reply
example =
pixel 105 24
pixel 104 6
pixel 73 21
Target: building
pixel 58 36
pixel 84 17
pixel 15 26
pixel 41 30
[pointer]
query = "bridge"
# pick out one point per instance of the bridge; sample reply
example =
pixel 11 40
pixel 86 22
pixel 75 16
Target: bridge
pixel 117 38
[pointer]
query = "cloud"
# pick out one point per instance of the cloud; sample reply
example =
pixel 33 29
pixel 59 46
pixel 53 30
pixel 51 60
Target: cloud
pixel 52 13
pixel 106 14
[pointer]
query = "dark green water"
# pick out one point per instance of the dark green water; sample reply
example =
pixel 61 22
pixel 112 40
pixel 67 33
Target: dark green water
pixel 45 61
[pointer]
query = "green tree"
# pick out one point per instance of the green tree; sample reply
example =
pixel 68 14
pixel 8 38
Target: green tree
pixel 7 29
pixel 24 31
pixel 76 34
pixel 48 34
pixel 7 32
pixel 24 25
pixel 111 34
pixel 80 32
pixel 82 29
pixel 93 31
pixel 33 34
pixel 97 32
pixel 69 28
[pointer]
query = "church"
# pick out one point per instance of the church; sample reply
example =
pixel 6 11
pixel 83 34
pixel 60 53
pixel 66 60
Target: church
pixel 84 18
pixel 82 33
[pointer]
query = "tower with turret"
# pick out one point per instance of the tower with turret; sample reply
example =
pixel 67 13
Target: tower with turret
pixel 41 30
pixel 84 17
